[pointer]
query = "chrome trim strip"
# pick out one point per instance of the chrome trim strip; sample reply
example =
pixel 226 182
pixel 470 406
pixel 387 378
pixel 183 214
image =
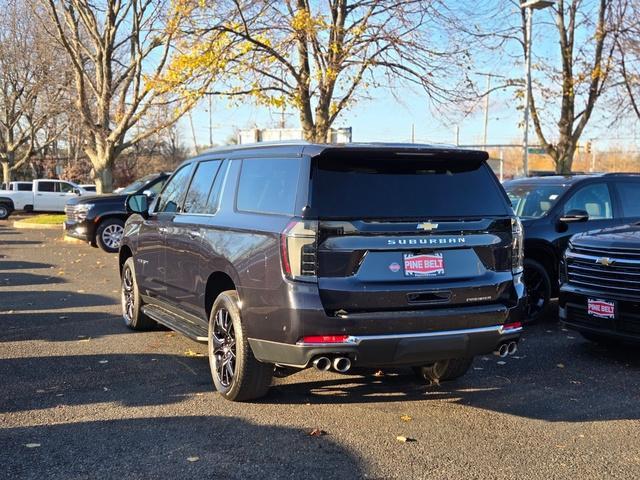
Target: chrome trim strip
pixel 357 339
pixel 616 260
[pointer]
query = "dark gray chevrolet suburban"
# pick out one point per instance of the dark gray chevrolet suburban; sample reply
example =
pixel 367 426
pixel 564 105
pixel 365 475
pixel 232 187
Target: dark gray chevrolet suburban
pixel 287 256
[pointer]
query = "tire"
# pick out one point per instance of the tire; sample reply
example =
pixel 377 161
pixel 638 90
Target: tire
pixel 236 373
pixel 538 283
pixel 444 370
pixel 5 211
pixel 109 234
pixel 130 300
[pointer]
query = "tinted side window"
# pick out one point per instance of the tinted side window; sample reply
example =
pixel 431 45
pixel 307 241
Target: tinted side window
pixel 65 187
pixel 196 200
pixel 46 186
pixel 629 198
pixel 157 186
pixel 594 199
pixel 173 192
pixel 268 185
pixel 213 202
pixel 24 187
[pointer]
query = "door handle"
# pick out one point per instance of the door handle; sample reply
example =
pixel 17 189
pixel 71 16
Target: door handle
pixel 193 233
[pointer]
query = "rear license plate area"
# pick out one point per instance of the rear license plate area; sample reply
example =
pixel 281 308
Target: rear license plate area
pixel 423 265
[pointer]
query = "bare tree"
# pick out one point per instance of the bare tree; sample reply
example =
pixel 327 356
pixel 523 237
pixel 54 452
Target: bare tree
pixel 587 34
pixel 119 50
pixel 628 55
pixel 322 57
pixel 30 89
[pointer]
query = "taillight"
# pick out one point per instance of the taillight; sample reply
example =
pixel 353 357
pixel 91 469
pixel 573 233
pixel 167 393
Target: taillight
pixel 517 246
pixel 325 339
pixel 298 243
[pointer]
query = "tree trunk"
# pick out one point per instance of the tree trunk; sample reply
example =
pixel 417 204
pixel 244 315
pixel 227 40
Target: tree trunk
pixel 564 162
pixel 6 172
pixel 103 178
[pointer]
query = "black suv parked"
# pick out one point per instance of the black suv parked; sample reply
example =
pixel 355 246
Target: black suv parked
pixel 553 209
pixel 298 255
pixel 100 219
pixel 600 292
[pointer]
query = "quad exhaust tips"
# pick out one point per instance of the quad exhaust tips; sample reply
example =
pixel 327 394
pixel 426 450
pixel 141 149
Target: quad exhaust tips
pixel 341 364
pixel 506 349
pixel 322 363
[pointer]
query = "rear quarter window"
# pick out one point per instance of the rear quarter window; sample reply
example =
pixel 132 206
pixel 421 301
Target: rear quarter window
pixel 405 187
pixel 268 185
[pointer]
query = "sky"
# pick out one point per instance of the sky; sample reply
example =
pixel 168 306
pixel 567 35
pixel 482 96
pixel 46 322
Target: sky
pixel 382 117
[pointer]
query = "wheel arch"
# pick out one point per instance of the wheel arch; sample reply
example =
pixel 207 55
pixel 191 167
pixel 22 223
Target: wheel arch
pixel 545 255
pixel 123 255
pixel 218 282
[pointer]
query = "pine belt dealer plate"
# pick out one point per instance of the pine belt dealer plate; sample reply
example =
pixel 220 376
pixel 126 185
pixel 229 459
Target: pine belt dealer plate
pixel 601 308
pixel 426 265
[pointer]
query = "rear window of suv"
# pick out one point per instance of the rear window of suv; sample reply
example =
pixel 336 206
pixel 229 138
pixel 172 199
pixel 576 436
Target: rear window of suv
pixel 370 188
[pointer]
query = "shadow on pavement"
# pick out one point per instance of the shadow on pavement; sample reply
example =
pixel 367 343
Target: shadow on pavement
pixel 219 447
pixel 22 265
pixel 59 326
pixel 20 242
pixel 599 384
pixel 50 300
pixel 129 379
pixel 21 279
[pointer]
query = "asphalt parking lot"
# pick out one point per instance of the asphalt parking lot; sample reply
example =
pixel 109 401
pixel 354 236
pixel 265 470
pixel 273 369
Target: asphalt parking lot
pixel 83 397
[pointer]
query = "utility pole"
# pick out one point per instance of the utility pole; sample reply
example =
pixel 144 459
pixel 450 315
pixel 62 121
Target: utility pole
pixel 486 112
pixel 457 135
pixel 210 123
pixel 413 133
pixel 529 7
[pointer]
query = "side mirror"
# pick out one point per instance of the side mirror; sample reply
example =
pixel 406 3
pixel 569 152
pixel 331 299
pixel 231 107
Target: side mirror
pixel 575 216
pixel 138 204
pixel 77 191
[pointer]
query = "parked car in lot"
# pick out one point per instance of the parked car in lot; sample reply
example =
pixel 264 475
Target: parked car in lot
pixel 553 209
pixel 99 219
pixel 297 255
pixel 600 292
pixel 44 196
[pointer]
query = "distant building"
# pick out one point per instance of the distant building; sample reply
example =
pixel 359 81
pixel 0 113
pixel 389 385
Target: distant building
pixel 256 135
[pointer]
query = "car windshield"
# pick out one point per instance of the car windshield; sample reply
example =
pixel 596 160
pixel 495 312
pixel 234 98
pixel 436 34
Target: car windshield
pixel 138 184
pixel 533 200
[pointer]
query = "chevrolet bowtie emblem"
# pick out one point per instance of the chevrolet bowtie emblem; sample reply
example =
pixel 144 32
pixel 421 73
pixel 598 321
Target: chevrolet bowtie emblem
pixel 605 261
pixel 427 226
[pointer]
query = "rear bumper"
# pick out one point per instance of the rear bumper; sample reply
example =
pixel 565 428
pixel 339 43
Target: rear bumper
pixel 390 350
pixel 573 314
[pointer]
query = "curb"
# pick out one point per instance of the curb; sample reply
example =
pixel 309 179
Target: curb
pixel 68 239
pixel 36 226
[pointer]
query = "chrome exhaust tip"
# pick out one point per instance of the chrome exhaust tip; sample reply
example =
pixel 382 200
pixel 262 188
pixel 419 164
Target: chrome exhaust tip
pixel 341 364
pixel 512 348
pixel 502 351
pixel 322 363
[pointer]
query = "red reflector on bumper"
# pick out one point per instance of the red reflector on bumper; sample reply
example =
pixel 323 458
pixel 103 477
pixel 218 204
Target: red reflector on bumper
pixel 512 326
pixel 325 339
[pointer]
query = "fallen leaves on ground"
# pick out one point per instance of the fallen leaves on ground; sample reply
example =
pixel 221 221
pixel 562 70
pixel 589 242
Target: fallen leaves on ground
pixel 406 418
pixel 191 353
pixel 404 439
pixel 316 432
